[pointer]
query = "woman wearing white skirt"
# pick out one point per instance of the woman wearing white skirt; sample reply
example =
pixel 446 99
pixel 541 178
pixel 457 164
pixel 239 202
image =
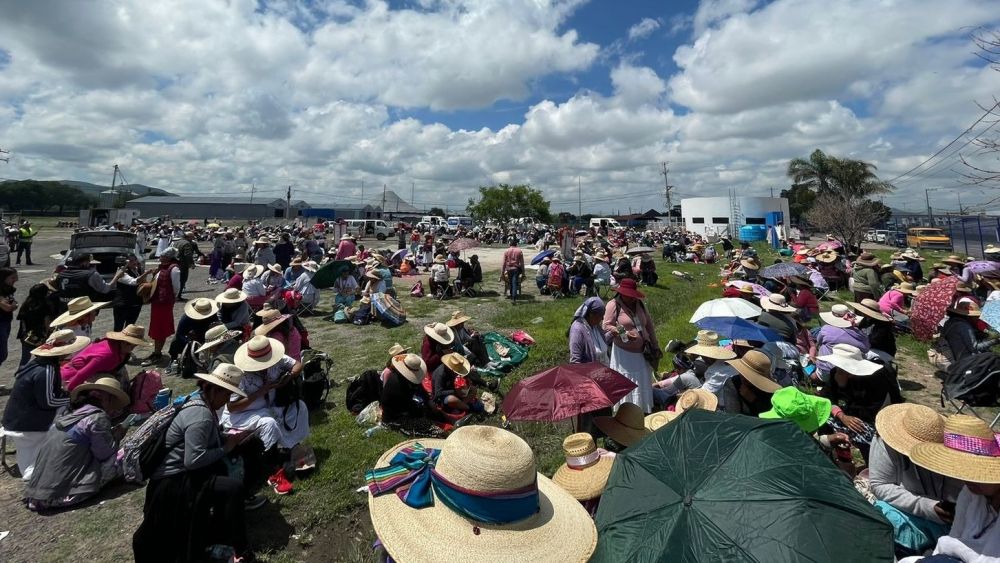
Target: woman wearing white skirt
pixel 629 328
pixel 162 243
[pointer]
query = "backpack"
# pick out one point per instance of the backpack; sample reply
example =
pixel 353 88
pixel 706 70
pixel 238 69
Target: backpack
pixel 143 391
pixel 315 378
pixel 417 290
pixel 362 316
pixel 144 450
pixel 362 390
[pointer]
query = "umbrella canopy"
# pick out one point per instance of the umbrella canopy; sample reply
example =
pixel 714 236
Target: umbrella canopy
pixel 639 250
pixel 829 245
pixel 736 328
pixel 397 257
pixel 327 275
pixel 983 266
pixel 929 307
pixel 726 307
pixel 462 243
pixel 212 225
pixel 542 256
pixel 712 486
pixel 565 391
pixel 758 290
pixel 991 314
pixel 782 270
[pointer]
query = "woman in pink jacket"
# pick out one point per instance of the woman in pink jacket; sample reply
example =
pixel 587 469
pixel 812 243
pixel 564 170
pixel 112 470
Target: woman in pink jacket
pixel 629 329
pixel 103 356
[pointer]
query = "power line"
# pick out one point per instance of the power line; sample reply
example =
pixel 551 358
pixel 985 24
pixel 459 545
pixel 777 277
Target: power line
pixel 944 159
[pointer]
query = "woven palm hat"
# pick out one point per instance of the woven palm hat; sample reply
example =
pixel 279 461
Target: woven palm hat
pixel 270 320
pixel 827 257
pixel 755 367
pixel 310 266
pixel 76 308
pixel 907 288
pixel 707 345
pixel 226 376
pixel 201 308
pixel 457 318
pixel 230 296
pixel 748 264
pixel 456 363
pixel 410 366
pixel 440 259
pixel 133 334
pixel 586 471
pixel 905 425
pixel 660 419
pixel 850 359
pixel 966 309
pixel 953 261
pixel 839 315
pixel 106 383
pixel 252 271
pixel 258 354
pixel 870 308
pixel 276 268
pixel 486 460
pixel 969 451
pixel 440 332
pixel 397 349
pixel 626 427
pixel 867 259
pixel 696 399
pixel 215 336
pixel 776 303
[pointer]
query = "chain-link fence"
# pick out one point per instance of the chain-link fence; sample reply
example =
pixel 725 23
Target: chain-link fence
pixel 970 234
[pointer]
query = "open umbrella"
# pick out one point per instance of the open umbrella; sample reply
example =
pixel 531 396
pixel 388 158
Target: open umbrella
pixel 725 307
pixel 542 256
pixel 758 290
pixel 565 391
pixel 829 245
pixel 462 243
pixel 327 275
pixel 929 307
pixel 983 266
pixel 397 257
pixel 736 328
pixel 782 270
pixel 713 486
pixel 991 314
pixel 638 250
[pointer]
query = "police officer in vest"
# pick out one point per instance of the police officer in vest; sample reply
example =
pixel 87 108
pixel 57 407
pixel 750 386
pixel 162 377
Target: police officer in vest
pixel 27 233
pixel 81 279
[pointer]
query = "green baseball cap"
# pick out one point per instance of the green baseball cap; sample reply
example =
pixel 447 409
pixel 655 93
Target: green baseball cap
pixel 808 411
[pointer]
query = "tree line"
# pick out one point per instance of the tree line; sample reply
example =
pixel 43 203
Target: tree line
pixel 40 195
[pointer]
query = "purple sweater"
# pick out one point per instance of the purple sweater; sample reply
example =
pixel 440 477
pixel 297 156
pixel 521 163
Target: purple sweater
pixel 830 335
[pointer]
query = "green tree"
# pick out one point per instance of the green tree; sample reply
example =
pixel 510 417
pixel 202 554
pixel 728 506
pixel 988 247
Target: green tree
pixel 437 212
pixel 503 203
pixel 41 195
pixel 812 173
pixel 800 201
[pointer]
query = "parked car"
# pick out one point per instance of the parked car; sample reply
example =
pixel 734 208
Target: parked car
pixel 111 248
pixel 899 239
pixel 928 237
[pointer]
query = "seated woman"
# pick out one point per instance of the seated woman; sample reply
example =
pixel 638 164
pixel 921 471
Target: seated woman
pixel 804 300
pixel 373 282
pixel 440 276
pixel 586 471
pixel 602 271
pixel 78 455
pixel 234 311
pixel 840 328
pixel 405 404
pixel 468 342
pixel 750 393
pixel 199 315
pixel 581 275
pixel 647 270
pixel 439 340
pixel 542 277
pixel 879 329
pixel 346 290
pixel 622 270
pixel 254 288
pixel 453 393
pixel 895 303
pixel 220 346
pixel 280 327
pixel 104 356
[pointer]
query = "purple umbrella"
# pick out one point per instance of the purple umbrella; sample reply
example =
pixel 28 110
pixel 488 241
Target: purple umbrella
pixel 758 290
pixel 782 270
pixel 983 266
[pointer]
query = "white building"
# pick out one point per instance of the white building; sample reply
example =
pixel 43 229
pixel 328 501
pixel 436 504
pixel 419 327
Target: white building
pixel 719 215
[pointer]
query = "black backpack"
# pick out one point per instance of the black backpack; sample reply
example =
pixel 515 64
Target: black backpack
pixel 315 378
pixel 146 448
pixel 362 390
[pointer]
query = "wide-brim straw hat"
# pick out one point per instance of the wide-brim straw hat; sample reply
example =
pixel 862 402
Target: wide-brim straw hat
pixel 627 427
pixel 867 259
pixel 905 425
pixel 483 457
pixel 61 343
pixel 850 359
pixel 271 321
pixel 966 309
pixel 953 261
pixel 749 264
pixel 907 288
pixel 107 384
pixel 440 332
pixel 133 334
pixel 227 376
pixel 707 345
pixel 827 257
pixel 259 353
pixel 837 316
pixel 252 271
pixel 585 473
pixel 276 268
pixel 262 241
pixel 870 309
pixel 755 367
pixel 457 318
pixel 983 467
pixel 776 303
pixel 457 363
pixel 77 308
pixel 201 308
pixel 310 266
pixel 397 349
pixel 231 296
pixel 217 336
pixel 410 366
pixel 660 419
pixel 696 399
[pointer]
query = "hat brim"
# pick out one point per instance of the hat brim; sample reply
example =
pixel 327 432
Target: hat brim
pixel 78 344
pixel 121 396
pixel 807 424
pixel 411 534
pixel 265 328
pixel 953 262
pixel 714 352
pixel 660 419
pixel 230 334
pixel 190 311
pixel 243 360
pixel 711 401
pixel 122 337
pixel 760 381
pixel 889 424
pixel 635 293
pixel 618 432
pixel 766 304
pixel 406 372
pixel 854 367
pixel 221 298
pixel 458 321
pixel 586 483
pixel 869 312
pixel 964 466
pixel 833 320
pixel 434 336
pixel 68 317
pixel 220 383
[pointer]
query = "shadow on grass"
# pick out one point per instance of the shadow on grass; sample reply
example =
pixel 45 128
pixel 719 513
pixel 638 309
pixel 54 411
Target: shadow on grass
pixel 112 491
pixel 907 385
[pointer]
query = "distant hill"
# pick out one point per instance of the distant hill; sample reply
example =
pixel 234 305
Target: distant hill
pixel 95 190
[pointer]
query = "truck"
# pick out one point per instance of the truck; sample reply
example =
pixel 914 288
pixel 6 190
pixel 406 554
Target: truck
pixel 100 216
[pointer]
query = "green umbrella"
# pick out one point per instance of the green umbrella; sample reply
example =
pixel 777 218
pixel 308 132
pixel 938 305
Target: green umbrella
pixel 712 486
pixel 327 275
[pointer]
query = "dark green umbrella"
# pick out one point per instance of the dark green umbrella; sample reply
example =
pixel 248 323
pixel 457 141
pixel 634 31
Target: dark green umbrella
pixel 327 275
pixel 712 486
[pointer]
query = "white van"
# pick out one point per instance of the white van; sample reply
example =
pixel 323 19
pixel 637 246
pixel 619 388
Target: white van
pixel 377 228
pixel 604 223
pixel 435 220
pixel 458 221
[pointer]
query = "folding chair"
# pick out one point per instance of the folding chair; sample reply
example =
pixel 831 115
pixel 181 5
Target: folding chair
pixel 960 406
pixel 821 293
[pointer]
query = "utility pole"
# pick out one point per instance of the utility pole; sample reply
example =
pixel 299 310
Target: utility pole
pixel 253 188
pixel 930 212
pixel 667 187
pixel 383 200
pixel 579 202
pixel 772 191
pixel 288 203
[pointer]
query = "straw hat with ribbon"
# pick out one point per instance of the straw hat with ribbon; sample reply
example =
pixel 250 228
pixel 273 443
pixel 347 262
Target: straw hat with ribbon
pixel 809 412
pixel 867 259
pixel 61 343
pixel 755 367
pixel 707 345
pixel 870 308
pixel 457 363
pixel 839 315
pixel 270 320
pixel 201 308
pixel 627 427
pixel 215 336
pixel 628 288
pixel 76 308
pixel 586 471
pixel 133 334
pixel 696 399
pixel 410 366
pixel 953 261
pixel 106 384
pixel 259 353
pixel 457 318
pixel 969 451
pixel 849 359
pixel 905 425
pixel 477 491
pixel 231 296
pixel 776 303
pixel 397 349
pixel 440 333
pixel 660 419
pixel 226 376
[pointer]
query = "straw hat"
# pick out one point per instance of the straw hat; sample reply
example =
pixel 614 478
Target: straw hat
pixel 201 308
pixel 660 419
pixel 870 308
pixel 276 268
pixel 776 303
pixel 457 318
pixel 707 345
pixel 628 288
pixel 809 412
pixel 969 451
pixel 270 320
pixel 487 461
pixel 867 259
pixel 215 336
pixel 827 257
pixel 963 287
pixel 310 266
pixel 439 259
pixel 347 237
pixel 133 334
pixel 397 349
pixel 262 240
pixel 839 315
pixel 106 383
pixel 410 366
pixel 990 249
pixel 696 399
pixel 953 261
pixel 61 343
pixel 456 363
pixel 259 353
pixel 905 425
pixel 907 288
pixel 226 376
pixel 800 281
pixel 746 289
pixel 627 427
pixel 295 262
pixel 755 367
pixel 440 332
pixel 77 307
pixel 849 359
pixel 230 296
pixel 748 264
pixel 586 471
pixel 966 309
pixel 911 254
pixel 252 271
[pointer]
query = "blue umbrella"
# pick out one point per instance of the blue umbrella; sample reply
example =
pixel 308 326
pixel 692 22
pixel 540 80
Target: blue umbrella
pixel 782 270
pixel 991 313
pixel 542 256
pixel 736 328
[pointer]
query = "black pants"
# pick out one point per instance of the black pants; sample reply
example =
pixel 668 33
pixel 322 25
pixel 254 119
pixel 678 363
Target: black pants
pixel 25 248
pixel 125 315
pixel 184 279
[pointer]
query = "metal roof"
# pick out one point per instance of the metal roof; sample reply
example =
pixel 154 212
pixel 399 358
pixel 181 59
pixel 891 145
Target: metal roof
pixel 209 200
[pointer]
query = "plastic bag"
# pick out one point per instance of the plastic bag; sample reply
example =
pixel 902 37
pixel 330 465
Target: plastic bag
pixel 522 338
pixel 417 290
pixel 370 415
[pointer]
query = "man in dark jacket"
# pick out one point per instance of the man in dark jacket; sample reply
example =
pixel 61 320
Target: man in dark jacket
pixel 80 279
pixel 961 334
pixel 187 249
pixel 777 315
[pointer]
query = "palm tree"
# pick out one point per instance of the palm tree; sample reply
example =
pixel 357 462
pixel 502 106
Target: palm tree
pixel 856 179
pixel 813 173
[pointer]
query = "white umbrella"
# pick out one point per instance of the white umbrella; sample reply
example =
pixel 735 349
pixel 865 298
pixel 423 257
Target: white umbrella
pixel 726 307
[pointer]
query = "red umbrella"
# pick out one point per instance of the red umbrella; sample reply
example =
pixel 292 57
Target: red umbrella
pixel 929 307
pixel 463 243
pixel 566 391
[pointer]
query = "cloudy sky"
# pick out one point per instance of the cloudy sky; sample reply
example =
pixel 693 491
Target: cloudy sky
pixel 202 96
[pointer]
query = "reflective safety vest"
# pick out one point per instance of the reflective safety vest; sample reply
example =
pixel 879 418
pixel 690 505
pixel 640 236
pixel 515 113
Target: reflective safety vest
pixel 28 233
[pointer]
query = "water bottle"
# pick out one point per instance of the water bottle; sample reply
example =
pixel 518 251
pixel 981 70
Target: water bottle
pixel 374 430
pixel 162 398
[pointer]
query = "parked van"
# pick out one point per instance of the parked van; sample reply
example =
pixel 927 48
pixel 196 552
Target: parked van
pixel 928 237
pixel 370 228
pixel 459 221
pixel 604 223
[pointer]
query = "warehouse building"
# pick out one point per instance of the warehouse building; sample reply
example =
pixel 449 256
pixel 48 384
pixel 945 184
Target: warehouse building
pixel 721 215
pixel 214 207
